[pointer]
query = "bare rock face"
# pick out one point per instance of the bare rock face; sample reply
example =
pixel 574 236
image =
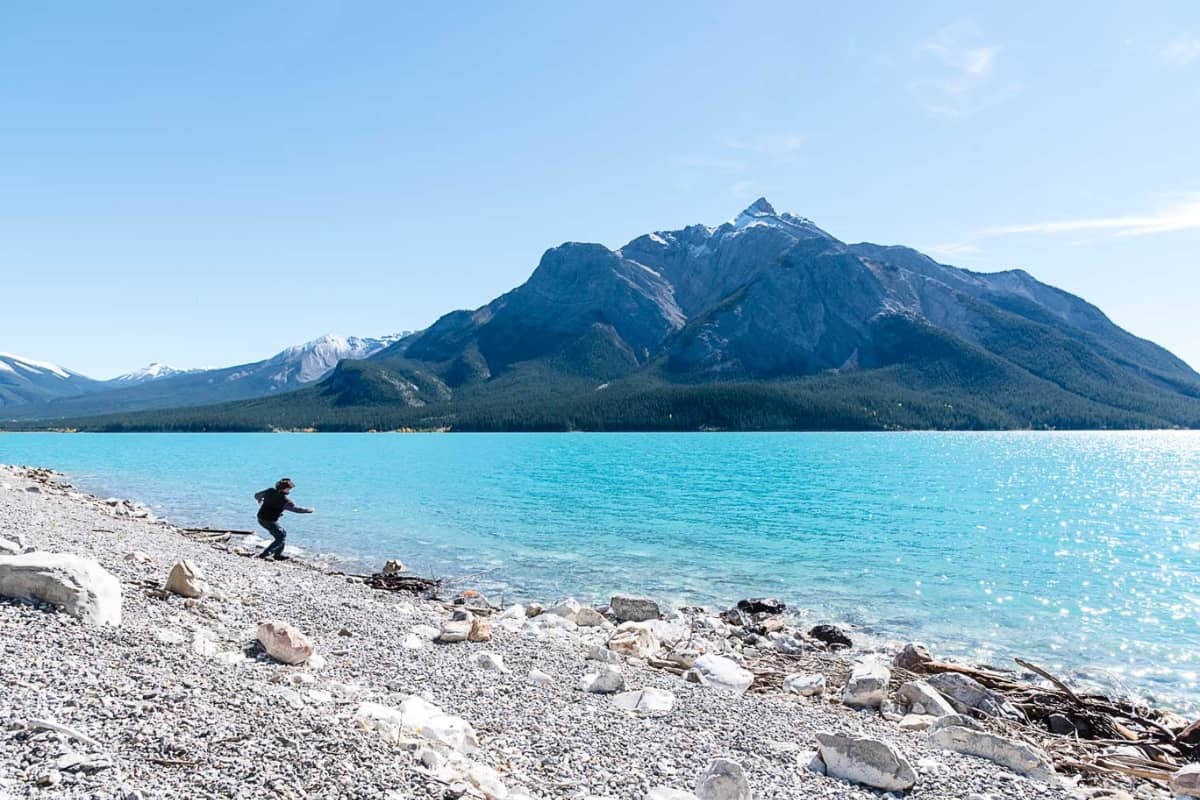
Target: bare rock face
pixel 871 762
pixel 79 586
pixel 186 580
pixel 284 642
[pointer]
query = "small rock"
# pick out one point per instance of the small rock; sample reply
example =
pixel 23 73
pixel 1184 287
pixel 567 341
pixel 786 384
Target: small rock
pixel 634 639
pixel 186 580
pixel 916 722
pixel 723 780
pixel 542 679
pixel 454 630
pixel 633 608
pixel 393 567
pixel 284 642
pixel 649 702
pixel 761 605
pixel 833 637
pixel 606 680
pixel 805 685
pixel 589 618
pixel 480 631
pixel 914 658
pixel 490 661
pixel 867 685
pixel 139 557
pixel 1186 780
pixel 534 610
pixel 921 698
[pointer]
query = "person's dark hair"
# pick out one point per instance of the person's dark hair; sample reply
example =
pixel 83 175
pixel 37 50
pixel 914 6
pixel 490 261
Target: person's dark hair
pixel 284 483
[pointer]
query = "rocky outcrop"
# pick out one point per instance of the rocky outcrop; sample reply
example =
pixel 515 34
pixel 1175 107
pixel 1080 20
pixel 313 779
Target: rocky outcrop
pixel 79 586
pixel 860 759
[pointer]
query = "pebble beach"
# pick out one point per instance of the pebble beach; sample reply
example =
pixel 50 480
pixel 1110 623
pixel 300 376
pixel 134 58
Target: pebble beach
pixel 400 696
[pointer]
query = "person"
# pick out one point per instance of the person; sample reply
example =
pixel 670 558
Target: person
pixel 271 505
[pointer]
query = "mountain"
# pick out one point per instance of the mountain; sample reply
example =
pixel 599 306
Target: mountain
pixel 766 321
pixel 151 372
pixel 160 387
pixel 23 380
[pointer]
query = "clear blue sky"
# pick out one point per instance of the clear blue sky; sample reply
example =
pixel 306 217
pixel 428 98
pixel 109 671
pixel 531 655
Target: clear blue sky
pixel 205 183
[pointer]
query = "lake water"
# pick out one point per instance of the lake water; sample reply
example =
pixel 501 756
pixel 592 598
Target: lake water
pixel 1076 549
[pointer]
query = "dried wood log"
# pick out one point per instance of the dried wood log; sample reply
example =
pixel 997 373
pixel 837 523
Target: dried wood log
pixel 404 583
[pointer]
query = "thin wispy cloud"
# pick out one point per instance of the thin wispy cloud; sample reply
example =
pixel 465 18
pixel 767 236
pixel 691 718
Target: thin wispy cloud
pixel 1181 215
pixel 1182 51
pixel 964 75
pixel 773 144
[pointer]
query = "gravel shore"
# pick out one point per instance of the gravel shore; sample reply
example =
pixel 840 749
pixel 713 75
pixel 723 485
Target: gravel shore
pixel 180 702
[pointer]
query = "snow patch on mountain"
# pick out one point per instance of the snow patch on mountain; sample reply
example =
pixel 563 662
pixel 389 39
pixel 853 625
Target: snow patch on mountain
pixel 13 362
pixel 151 372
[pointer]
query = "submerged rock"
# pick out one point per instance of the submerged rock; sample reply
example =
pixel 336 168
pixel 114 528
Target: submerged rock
pixel 79 586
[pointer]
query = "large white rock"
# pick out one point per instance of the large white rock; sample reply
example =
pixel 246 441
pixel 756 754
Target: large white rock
pixel 80 586
pixel 921 698
pixel 860 759
pixel 804 684
pixel 632 608
pixel 454 630
pixel 284 642
pixel 10 547
pixel 605 680
pixel 493 662
pixel 634 639
pixel 567 609
pixel 720 673
pixel 723 780
pixel 589 618
pixel 1186 781
pixel 648 702
pixel 867 685
pixel 1020 757
pixel 185 580
pixel 418 718
pixel 965 693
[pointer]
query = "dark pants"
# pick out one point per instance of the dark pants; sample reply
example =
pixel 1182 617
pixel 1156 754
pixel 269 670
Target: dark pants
pixel 277 532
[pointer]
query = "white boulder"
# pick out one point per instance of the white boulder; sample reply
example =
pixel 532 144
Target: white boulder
pixel 634 639
pixel 720 673
pixel 185 580
pixel 649 702
pixel 541 679
pixel 723 780
pixel 80 586
pixel 860 759
pixel 1020 757
pixel 804 684
pixel 589 618
pixel 606 680
pixel 419 719
pixel 284 642
pixel 493 662
pixel 867 685
pixel 921 698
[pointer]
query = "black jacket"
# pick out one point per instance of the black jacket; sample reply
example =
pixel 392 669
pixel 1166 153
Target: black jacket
pixel 272 504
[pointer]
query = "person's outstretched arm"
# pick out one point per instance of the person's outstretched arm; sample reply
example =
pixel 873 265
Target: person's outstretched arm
pixel 290 506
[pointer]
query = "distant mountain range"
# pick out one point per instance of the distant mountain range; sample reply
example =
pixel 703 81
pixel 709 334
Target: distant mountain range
pixel 764 322
pixel 39 390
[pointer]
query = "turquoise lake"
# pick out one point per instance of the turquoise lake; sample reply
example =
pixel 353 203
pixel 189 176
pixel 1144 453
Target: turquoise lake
pixel 1079 550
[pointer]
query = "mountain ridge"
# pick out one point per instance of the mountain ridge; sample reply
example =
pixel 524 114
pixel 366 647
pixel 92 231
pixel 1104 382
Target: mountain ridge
pixel 766 320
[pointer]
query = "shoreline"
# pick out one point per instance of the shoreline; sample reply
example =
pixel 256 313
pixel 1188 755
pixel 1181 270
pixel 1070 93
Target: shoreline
pixel 602 749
